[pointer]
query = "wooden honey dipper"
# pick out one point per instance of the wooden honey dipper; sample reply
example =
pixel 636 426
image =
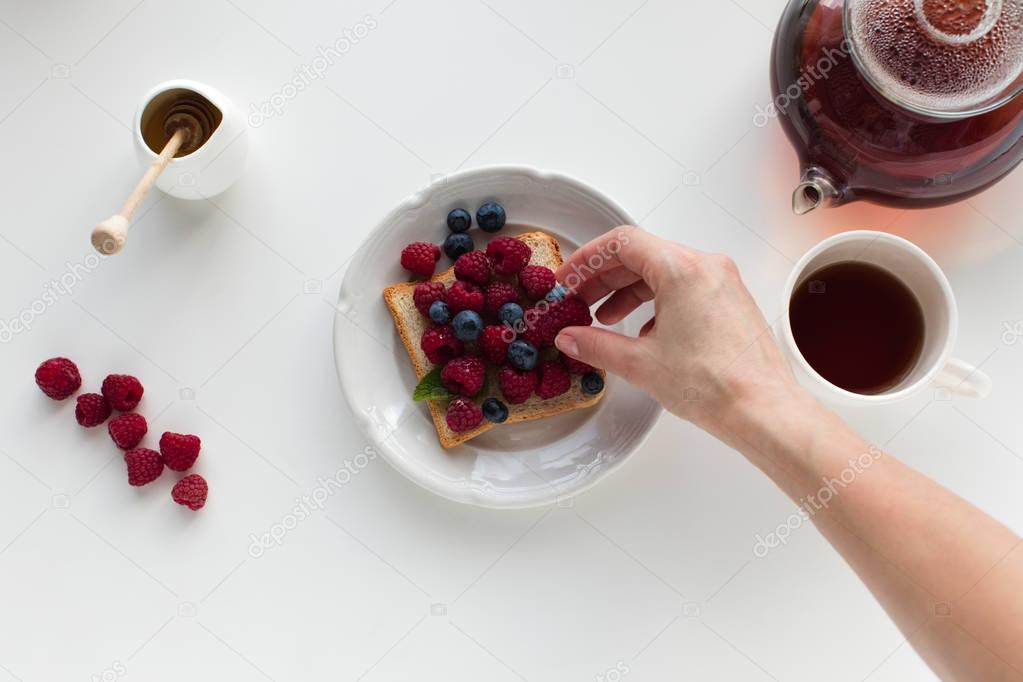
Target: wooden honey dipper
pixel 188 125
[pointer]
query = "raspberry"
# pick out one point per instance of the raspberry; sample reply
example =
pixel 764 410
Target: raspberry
pixel 575 366
pixel 498 294
pixel 537 281
pixel 58 378
pixel 463 415
pixel 420 258
pixel 494 344
pixel 570 312
pixel 144 466
pixel 122 391
pixel 508 255
pixel 191 491
pixel 516 387
pixel 127 430
pixel 440 344
pixel 92 409
pixel 554 380
pixel 426 294
pixel 465 296
pixel 473 267
pixel 464 376
pixel 179 451
pixel 532 333
pixel 573 312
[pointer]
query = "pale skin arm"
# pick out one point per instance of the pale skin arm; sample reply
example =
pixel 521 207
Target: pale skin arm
pixel 949 575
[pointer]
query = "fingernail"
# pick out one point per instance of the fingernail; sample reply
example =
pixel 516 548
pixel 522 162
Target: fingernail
pixel 567 345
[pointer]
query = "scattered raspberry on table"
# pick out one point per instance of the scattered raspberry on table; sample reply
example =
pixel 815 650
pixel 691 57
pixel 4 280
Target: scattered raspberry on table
pixel 92 409
pixel 179 450
pixel 58 378
pixel 122 391
pixel 127 430
pixel 191 492
pixel 144 466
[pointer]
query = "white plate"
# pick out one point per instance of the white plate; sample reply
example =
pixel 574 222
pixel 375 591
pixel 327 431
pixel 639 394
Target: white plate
pixel 514 466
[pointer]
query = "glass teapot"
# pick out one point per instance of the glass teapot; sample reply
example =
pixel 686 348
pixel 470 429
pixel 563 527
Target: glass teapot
pixel 911 103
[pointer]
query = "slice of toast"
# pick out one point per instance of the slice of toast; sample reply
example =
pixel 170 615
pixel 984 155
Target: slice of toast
pixel 411 325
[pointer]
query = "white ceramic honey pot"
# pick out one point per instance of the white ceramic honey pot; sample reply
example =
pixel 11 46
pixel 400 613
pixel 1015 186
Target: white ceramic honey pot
pixel 195 143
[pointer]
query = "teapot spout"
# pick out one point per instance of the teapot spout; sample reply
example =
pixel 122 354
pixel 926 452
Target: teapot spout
pixel 816 190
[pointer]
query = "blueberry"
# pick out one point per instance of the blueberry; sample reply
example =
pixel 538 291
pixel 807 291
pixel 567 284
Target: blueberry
pixel 558 293
pixel 592 383
pixel 457 245
pixel 468 325
pixel 440 313
pixel 459 220
pixel 522 355
pixel 491 217
pixel 510 313
pixel 495 411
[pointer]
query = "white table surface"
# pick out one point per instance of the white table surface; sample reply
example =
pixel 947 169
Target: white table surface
pixel 224 309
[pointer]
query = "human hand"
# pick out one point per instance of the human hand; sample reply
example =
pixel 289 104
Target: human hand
pixel 708 348
pixel 708 355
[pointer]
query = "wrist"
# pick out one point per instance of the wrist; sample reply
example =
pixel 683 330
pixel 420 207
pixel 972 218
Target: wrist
pixel 793 438
pixel 777 422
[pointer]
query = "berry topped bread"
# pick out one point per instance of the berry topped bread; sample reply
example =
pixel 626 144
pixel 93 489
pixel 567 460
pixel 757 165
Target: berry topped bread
pixel 480 336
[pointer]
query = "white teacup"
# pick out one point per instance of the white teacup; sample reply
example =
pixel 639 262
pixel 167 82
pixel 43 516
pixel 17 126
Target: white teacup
pixel 925 279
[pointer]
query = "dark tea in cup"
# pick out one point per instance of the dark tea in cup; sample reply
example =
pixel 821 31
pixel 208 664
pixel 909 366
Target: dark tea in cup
pixel 858 325
pixel 870 320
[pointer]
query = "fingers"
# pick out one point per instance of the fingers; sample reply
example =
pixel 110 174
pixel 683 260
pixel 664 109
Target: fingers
pixel 623 302
pixel 630 247
pixel 605 282
pixel 617 354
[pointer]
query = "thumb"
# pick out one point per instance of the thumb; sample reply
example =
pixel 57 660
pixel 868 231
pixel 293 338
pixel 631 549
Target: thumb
pixel 617 354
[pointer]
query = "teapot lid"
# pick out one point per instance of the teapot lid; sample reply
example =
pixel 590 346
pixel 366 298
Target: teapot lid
pixel 940 58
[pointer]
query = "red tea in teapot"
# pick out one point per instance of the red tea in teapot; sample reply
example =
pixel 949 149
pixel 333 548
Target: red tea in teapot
pixel 905 102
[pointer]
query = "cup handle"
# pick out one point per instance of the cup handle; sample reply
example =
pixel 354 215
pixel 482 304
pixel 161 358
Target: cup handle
pixel 964 379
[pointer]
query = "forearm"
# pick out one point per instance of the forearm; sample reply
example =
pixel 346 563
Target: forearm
pixel 950 576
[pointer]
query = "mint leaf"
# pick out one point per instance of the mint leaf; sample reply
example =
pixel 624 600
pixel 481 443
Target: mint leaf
pixel 431 388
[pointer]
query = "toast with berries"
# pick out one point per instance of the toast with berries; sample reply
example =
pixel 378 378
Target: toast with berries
pixel 559 378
